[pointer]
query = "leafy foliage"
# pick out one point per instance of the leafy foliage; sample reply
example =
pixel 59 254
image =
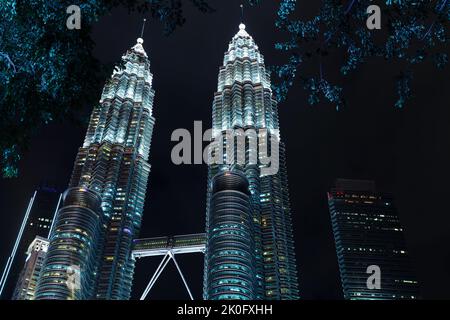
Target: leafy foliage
pixel 47 72
pixel 412 32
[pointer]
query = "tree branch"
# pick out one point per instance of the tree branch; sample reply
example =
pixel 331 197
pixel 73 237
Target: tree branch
pixel 8 60
pixel 349 7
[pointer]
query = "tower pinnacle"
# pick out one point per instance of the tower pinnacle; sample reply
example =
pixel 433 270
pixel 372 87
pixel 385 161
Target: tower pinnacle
pixel 138 47
pixel 242 32
pixel 143 28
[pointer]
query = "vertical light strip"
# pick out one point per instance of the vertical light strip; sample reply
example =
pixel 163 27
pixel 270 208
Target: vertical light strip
pixel 19 237
pixel 9 258
pixel 4 271
pixel 54 217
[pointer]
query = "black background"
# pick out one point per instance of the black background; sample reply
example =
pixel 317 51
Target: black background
pixel 406 151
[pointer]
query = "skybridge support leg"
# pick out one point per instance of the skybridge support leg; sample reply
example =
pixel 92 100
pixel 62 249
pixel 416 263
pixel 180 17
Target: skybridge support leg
pixel 167 257
pixel 156 275
pixel 181 274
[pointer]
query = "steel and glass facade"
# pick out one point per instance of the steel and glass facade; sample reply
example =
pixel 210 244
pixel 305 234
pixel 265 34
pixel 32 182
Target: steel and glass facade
pixel 74 242
pixel 243 101
pixel 111 169
pixel 368 232
pixel 231 259
pixel 27 282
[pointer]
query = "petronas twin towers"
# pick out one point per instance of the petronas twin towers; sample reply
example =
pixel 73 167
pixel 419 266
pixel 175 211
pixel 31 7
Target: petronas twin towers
pixel 102 209
pixel 257 259
pixel 250 247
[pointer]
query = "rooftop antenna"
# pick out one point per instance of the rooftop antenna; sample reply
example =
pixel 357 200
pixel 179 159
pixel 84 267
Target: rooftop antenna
pixel 143 28
pixel 138 47
pixel 242 13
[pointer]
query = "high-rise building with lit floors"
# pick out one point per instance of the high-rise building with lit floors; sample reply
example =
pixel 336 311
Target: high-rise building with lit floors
pixel 37 221
pixel 41 215
pixel 102 209
pixel 244 103
pixel 26 284
pixel 368 232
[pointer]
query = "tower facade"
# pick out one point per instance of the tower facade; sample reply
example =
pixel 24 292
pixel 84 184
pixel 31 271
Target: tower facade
pixel 26 284
pixel 244 103
pixel 102 209
pixel 232 271
pixel 37 221
pixel 368 232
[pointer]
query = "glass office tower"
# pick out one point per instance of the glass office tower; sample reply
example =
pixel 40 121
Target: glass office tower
pixel 368 232
pixel 26 284
pixel 244 102
pixel 102 209
pixel 36 222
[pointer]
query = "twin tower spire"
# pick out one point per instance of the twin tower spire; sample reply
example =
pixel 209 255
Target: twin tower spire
pixel 140 40
pixel 95 228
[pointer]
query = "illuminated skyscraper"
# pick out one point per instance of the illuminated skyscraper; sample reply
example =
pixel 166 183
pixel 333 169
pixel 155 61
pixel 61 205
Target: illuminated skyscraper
pixel 37 221
pixel 102 209
pixel 26 284
pixel 368 232
pixel 244 102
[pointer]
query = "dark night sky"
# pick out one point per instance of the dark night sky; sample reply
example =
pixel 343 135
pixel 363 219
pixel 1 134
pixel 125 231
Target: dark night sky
pixel 405 151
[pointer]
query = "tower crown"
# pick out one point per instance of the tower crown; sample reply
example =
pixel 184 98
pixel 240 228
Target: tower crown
pixel 242 46
pixel 139 48
pixel 242 32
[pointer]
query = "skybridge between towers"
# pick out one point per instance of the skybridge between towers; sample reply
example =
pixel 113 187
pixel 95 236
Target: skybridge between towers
pixel 168 248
